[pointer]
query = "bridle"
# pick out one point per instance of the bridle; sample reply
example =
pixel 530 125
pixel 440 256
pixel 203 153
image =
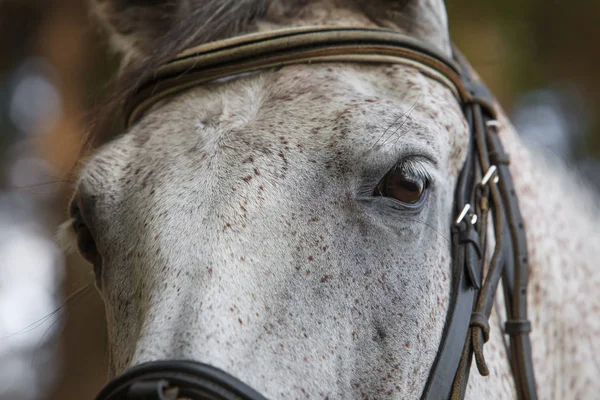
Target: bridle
pixel 484 194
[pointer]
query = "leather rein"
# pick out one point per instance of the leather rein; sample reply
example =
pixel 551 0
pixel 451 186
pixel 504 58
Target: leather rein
pixel 484 194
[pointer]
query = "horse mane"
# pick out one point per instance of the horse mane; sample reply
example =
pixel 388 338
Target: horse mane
pixel 221 19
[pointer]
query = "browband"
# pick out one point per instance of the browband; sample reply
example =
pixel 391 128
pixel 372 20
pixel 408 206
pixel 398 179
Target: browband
pixel 259 51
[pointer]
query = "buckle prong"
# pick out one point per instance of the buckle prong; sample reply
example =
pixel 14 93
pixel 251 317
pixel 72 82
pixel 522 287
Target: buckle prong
pixel 491 172
pixel 465 213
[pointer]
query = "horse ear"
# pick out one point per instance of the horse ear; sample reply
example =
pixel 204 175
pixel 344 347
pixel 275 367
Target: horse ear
pixel 424 19
pixel 135 26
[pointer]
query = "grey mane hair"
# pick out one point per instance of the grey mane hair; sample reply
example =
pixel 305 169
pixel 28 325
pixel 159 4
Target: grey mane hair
pixel 409 15
pixel 144 30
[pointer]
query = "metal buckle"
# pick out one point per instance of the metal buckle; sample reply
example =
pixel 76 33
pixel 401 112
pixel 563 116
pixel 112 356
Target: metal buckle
pixel 464 213
pixel 491 172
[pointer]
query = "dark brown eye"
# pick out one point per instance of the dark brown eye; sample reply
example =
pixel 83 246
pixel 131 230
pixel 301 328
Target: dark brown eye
pixel 402 186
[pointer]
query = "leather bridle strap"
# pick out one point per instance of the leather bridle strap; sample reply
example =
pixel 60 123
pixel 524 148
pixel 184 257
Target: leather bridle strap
pixel 249 53
pixel 175 379
pixel 484 186
pixel 509 260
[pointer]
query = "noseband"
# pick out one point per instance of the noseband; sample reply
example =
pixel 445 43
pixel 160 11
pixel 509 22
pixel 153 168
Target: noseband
pixel 484 193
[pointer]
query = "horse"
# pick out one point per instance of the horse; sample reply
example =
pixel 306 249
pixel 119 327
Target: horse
pixel 290 225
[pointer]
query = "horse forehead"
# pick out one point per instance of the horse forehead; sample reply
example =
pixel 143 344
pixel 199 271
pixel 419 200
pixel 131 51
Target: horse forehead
pixel 321 107
pixel 358 106
pixel 299 100
pixel 330 86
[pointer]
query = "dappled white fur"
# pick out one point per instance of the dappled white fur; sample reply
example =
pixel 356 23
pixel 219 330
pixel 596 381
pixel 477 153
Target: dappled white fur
pixel 237 228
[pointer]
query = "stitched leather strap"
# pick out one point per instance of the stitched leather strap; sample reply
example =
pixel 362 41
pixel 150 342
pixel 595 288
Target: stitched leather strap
pixel 509 260
pixel 515 283
pixel 260 51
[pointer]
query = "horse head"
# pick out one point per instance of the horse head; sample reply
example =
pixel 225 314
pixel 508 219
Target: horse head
pixel 289 225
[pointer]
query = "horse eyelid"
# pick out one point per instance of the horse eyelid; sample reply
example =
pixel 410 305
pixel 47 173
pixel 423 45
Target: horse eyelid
pixel 418 166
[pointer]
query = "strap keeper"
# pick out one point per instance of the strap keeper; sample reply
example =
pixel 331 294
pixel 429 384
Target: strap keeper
pixel 470 236
pixel 480 320
pixel 499 158
pixel 517 326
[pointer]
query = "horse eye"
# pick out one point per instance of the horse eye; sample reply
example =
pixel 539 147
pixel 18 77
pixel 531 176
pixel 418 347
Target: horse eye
pixel 402 186
pixel 85 241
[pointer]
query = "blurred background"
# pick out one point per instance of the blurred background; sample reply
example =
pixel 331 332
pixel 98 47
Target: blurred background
pixel 540 58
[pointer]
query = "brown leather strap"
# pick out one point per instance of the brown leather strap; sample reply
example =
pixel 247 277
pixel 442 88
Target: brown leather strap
pixel 515 285
pixel 260 51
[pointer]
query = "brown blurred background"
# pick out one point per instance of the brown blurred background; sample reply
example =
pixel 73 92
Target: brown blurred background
pixel 539 57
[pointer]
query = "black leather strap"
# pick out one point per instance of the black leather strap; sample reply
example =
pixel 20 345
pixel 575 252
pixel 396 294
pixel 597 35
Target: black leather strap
pixel 174 379
pixel 443 371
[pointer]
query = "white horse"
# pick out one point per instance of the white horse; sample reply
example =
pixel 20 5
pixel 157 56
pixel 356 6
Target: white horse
pixel 235 224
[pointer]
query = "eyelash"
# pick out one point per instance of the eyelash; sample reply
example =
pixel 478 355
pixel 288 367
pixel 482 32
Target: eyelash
pixel 413 166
